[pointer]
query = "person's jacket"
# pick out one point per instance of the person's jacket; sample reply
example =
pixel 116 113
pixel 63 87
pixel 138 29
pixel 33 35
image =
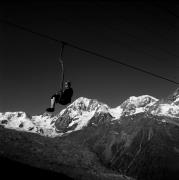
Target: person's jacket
pixel 66 96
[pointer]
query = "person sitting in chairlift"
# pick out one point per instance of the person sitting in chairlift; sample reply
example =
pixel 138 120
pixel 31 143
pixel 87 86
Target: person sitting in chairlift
pixel 62 97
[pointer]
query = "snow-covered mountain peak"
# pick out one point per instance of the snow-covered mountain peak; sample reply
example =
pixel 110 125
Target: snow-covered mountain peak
pixel 140 101
pixel 84 107
pixel 78 114
pixel 84 104
pixel 80 101
pixel 134 105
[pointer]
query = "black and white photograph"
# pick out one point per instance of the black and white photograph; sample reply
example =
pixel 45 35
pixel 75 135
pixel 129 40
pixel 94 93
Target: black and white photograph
pixel 89 90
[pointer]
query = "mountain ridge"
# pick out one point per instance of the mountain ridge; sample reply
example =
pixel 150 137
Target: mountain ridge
pixel 79 114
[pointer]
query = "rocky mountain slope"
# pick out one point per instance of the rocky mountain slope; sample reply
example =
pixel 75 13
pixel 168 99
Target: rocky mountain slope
pixel 137 139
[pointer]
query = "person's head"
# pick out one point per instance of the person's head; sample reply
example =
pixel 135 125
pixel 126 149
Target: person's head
pixel 67 84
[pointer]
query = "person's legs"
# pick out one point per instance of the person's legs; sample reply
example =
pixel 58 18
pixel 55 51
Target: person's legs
pixel 52 104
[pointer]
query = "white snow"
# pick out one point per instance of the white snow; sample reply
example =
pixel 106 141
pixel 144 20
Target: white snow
pixel 42 121
pixel 139 110
pixel 81 101
pixel 16 119
pixel 102 108
pixel 20 121
pixel 82 110
pixel 166 110
pixel 82 121
pixel 140 104
pixel 62 111
pixel 142 100
pixel 116 112
pixel 133 105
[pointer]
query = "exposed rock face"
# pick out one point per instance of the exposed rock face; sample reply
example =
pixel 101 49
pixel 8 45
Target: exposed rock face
pixel 80 113
pixel 139 104
pixel 139 146
pixel 174 98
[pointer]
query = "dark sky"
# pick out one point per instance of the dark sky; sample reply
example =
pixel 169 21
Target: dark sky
pixel 141 34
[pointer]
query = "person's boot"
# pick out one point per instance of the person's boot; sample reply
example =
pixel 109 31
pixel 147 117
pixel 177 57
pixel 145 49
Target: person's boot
pixel 50 109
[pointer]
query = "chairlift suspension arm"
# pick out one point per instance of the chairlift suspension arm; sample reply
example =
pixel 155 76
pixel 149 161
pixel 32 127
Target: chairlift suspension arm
pixel 62 66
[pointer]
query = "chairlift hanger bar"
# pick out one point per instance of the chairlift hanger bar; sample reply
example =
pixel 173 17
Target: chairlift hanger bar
pixel 62 66
pixel 87 51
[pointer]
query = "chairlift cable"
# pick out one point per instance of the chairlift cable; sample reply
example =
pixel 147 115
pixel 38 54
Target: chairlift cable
pixel 87 51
